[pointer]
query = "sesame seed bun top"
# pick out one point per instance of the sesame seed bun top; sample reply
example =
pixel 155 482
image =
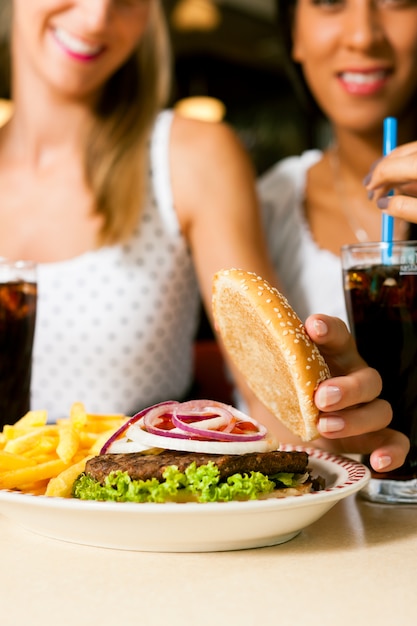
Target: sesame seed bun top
pixel 267 342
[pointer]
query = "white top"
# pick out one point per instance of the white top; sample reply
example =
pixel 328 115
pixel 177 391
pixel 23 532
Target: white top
pixel 115 326
pixel 311 277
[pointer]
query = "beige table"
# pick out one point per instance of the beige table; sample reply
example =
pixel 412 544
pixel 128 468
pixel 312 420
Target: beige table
pixel 357 565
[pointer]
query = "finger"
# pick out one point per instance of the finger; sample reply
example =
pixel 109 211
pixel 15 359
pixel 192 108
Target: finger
pixel 382 196
pixel 407 189
pixel 389 450
pixel 355 421
pixel 403 150
pixel 393 170
pixel 358 387
pixel 403 207
pixel 335 342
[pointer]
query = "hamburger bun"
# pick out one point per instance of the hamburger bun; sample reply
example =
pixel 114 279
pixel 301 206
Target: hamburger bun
pixel 267 342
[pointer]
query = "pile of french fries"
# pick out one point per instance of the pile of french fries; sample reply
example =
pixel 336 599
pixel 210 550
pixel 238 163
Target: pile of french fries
pixel 45 459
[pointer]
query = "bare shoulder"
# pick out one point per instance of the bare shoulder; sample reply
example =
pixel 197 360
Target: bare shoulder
pixel 196 142
pixel 209 165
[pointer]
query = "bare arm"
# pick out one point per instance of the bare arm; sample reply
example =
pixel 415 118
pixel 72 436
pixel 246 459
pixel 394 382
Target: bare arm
pixel 214 190
pixel 215 198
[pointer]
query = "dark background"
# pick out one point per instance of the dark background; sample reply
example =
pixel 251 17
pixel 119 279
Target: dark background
pixel 240 63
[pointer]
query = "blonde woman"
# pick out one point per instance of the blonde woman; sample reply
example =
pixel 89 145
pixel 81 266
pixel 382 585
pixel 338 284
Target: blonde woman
pixel 129 211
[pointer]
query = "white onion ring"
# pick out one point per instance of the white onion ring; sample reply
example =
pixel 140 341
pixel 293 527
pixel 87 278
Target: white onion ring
pixel 124 446
pixel 144 431
pixel 202 429
pixel 150 440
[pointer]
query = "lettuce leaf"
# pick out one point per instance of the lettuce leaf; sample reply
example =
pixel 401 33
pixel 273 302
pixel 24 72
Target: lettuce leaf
pixel 197 483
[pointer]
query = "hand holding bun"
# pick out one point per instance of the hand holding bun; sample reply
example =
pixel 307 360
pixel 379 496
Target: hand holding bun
pixel 269 345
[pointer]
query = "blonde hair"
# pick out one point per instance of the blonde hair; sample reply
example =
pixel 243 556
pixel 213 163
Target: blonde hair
pixel 116 161
pixel 116 149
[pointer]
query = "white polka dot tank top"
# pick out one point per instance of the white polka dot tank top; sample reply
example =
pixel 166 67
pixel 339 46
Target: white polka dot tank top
pixel 115 326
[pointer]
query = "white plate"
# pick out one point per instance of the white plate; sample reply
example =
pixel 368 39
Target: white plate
pixel 189 527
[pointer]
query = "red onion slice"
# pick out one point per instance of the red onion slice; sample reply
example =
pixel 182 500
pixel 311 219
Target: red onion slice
pixel 197 425
pixel 131 421
pixel 151 420
pixel 203 430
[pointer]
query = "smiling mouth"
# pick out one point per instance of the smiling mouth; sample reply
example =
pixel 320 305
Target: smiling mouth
pixel 363 78
pixel 76 46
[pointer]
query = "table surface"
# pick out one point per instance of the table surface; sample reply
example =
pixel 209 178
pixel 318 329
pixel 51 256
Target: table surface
pixel 356 565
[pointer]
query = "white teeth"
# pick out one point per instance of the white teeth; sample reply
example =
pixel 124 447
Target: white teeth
pixel 75 45
pixel 363 79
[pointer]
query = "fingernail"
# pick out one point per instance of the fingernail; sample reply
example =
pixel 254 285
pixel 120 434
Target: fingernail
pixel 383 203
pixel 370 195
pixel 331 424
pixel 321 328
pixel 327 395
pixel 382 462
pixel 368 177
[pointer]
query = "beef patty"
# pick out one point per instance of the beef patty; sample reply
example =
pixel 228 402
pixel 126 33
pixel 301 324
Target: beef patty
pixel 145 466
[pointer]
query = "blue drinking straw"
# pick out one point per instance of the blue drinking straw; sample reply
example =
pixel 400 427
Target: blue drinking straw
pixel 389 143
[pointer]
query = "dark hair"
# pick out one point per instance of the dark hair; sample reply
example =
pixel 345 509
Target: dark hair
pixel 284 19
pixel 285 12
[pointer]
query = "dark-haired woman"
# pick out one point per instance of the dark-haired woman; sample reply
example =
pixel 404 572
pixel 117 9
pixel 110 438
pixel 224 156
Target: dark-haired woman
pixel 354 63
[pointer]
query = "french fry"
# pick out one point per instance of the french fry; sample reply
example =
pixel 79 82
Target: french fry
pixel 61 485
pixel 88 439
pixel 69 441
pixel 44 447
pixel 100 441
pixel 14 479
pixel 36 489
pixel 10 461
pixel 33 418
pixel 78 415
pixel 45 459
pixel 14 432
pixel 101 423
pixel 25 442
